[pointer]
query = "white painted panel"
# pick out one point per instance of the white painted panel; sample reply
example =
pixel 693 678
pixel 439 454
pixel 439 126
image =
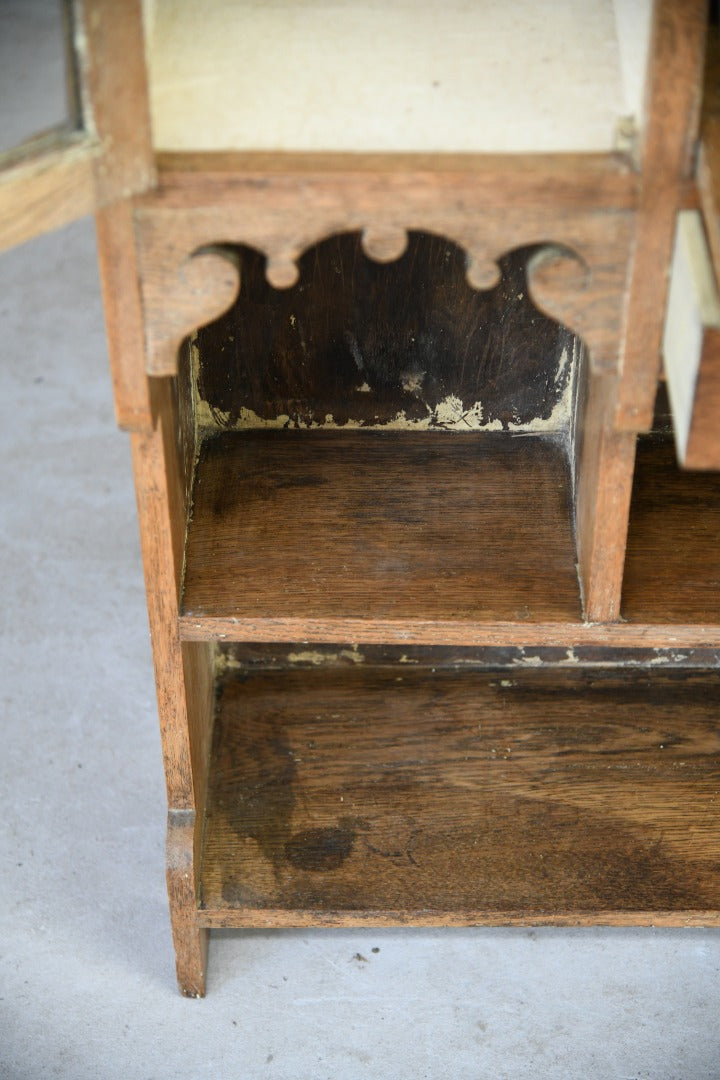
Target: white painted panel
pixel 693 304
pixel 393 75
pixel 633 19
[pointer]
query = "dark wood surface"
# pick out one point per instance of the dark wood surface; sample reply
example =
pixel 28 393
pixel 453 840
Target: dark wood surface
pixel 363 341
pixel 672 566
pixel 343 792
pixel 381 525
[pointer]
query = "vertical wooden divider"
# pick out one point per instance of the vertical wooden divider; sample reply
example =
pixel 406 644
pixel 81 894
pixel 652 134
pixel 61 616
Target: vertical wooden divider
pixel 603 487
pixel 616 408
pixel 672 114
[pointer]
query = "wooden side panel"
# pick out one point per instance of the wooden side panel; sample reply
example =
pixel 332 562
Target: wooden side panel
pixel 190 941
pixel 708 172
pixel 672 570
pixel 667 158
pixel 123 316
pixel 703 445
pixel 183 673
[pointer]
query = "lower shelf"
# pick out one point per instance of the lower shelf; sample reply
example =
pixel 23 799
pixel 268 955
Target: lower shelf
pixel 398 793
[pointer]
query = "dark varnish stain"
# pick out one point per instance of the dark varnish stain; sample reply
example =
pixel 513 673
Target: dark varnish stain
pixel 320 849
pixel 511 803
pixel 363 341
pixel 258 766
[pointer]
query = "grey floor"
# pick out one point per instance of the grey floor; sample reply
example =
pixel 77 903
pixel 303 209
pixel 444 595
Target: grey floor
pixel 87 984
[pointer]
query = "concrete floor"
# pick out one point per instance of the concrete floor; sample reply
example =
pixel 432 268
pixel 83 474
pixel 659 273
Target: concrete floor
pixel 87 985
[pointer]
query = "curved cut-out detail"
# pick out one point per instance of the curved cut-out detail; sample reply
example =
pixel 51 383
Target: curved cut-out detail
pixel 563 286
pixel 281 272
pixel 555 269
pixel 202 287
pixel 483 272
pixel 384 245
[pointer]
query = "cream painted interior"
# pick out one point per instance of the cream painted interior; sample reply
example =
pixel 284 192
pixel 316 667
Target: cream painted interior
pixel 693 305
pixel 402 75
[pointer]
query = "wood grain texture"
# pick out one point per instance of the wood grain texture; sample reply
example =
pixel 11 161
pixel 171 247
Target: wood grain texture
pixel 667 158
pixel 281 209
pixel 183 671
pixel 604 476
pixel 381 525
pixel 708 171
pixel 159 511
pixel 123 316
pixel 114 95
pixel 189 939
pixel 672 568
pixel 48 184
pixel 356 341
pixel 703 446
pixel 56 178
pixel 398 794
pixel 461 632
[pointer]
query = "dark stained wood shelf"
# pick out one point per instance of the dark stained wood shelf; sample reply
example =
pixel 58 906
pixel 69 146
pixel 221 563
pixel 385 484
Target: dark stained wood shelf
pixel 672 566
pixel 380 526
pixel 402 793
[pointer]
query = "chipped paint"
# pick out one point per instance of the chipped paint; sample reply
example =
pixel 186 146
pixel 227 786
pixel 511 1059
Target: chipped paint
pixel 450 414
pixel 316 658
pixel 528 661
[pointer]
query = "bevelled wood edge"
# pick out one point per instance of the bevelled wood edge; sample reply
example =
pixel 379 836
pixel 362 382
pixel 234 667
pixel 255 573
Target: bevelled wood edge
pixel 429 632
pixel 673 91
pixel 227 918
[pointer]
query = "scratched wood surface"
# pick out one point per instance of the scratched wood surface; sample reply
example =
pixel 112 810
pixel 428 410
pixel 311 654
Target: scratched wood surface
pixel 362 341
pixel 397 793
pixel 371 525
pixel 672 565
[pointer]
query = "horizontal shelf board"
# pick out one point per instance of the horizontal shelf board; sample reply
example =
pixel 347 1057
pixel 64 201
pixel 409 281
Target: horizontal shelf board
pixel 672 566
pixel 298 525
pixel 279 917
pixel 455 632
pixel 346 794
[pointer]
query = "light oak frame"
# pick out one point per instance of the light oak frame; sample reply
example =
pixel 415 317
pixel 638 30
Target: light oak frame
pixel 609 222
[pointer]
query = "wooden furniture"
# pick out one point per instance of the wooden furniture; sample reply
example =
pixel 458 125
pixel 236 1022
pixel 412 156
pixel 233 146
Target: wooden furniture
pixel 435 613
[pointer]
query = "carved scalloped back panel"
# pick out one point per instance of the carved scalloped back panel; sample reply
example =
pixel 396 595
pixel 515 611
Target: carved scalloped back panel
pixel 409 343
